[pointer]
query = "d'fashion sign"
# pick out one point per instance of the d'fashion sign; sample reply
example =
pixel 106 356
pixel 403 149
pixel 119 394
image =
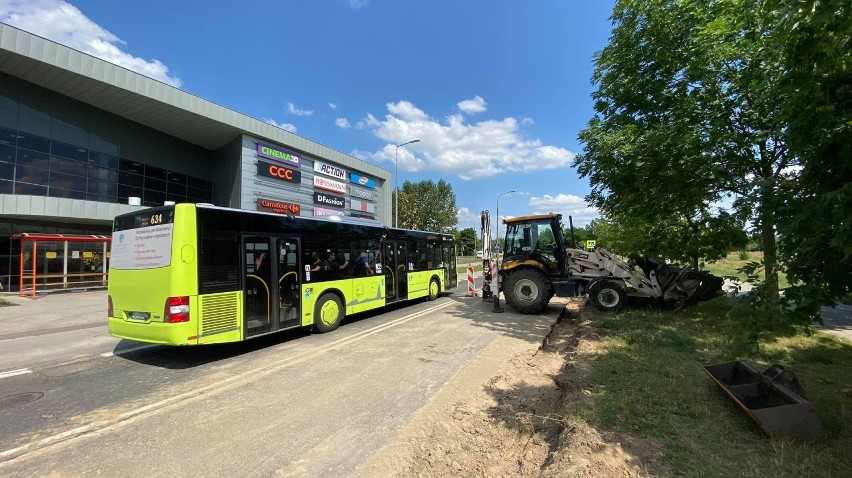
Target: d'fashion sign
pixel 329 200
pixel 278 154
pixel 276 171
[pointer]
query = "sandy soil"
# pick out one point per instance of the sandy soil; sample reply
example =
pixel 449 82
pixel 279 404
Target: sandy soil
pixel 512 427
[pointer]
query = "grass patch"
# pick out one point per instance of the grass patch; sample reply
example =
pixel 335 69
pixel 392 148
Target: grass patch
pixel 647 381
pixel 4 302
pixel 729 267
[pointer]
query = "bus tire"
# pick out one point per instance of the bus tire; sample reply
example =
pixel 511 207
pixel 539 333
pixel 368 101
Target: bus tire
pixel 434 288
pixel 608 295
pixel 328 313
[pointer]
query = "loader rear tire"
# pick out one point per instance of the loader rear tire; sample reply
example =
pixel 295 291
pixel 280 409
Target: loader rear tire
pixel 608 295
pixel 527 290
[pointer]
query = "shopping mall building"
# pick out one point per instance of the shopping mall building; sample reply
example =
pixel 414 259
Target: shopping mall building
pixel 83 140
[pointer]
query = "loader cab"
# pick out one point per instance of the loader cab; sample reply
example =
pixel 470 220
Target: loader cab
pixel 535 238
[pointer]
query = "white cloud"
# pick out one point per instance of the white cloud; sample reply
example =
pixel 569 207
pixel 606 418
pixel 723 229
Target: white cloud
pixel 476 105
pixel 332 105
pixel 565 204
pixel 468 150
pixel 527 120
pixel 293 110
pixel 357 4
pixel 63 23
pixel 289 127
pixel 342 123
pixel 468 219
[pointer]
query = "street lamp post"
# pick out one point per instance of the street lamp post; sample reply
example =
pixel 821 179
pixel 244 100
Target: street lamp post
pixel 497 237
pixel 396 180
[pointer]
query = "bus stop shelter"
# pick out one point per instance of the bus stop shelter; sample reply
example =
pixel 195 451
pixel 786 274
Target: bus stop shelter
pixel 53 262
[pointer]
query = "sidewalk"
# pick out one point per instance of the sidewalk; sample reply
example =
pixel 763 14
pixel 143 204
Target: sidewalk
pixel 52 313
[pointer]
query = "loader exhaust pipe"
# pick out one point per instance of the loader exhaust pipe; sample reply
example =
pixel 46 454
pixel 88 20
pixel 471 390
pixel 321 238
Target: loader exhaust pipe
pixel 573 240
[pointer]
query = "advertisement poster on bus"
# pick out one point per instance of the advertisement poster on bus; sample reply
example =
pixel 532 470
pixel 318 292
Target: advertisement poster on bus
pixel 143 248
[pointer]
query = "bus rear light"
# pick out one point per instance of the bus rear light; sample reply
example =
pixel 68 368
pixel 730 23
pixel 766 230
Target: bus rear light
pixel 109 306
pixel 177 309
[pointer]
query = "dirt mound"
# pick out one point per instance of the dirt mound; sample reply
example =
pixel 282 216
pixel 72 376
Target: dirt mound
pixel 512 426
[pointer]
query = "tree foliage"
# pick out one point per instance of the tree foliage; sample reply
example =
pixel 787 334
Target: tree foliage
pixel 686 117
pixel 814 39
pixel 427 206
pixel 466 241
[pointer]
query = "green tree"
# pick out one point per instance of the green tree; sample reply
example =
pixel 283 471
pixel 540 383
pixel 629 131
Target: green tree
pixel 686 116
pixel 814 37
pixel 427 206
pixel 466 241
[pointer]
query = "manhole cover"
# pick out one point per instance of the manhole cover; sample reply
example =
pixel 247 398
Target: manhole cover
pixel 19 399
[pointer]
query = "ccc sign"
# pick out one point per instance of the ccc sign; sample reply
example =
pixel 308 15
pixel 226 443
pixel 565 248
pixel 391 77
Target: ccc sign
pixel 276 171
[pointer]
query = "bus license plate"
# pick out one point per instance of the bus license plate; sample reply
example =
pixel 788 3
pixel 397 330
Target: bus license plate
pixel 138 316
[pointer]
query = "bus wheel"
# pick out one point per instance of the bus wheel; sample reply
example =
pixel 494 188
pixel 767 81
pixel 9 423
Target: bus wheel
pixel 433 289
pixel 328 313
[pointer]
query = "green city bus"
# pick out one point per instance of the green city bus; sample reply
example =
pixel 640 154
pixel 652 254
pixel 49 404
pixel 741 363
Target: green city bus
pixel 190 274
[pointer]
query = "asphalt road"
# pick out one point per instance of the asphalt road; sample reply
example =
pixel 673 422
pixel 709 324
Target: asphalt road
pixel 293 404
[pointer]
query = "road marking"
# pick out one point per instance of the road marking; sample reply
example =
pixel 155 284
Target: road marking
pixel 200 392
pixel 12 373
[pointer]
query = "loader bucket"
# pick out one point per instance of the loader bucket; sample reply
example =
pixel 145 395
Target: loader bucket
pixel 773 399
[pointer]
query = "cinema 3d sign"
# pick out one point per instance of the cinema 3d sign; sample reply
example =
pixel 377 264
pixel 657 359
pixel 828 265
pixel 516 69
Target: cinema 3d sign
pixel 278 207
pixel 278 154
pixel 276 171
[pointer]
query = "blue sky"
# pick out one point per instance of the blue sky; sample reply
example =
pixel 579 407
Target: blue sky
pixel 495 90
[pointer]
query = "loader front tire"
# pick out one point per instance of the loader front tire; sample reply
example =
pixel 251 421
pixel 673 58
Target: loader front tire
pixel 527 290
pixel 608 295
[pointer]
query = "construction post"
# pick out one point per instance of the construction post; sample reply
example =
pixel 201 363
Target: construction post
pixel 495 281
pixel 470 288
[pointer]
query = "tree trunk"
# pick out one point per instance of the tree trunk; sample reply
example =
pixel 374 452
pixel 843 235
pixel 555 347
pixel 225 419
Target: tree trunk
pixel 770 259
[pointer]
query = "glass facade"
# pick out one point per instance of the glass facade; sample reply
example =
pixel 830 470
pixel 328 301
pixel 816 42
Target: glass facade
pixel 56 147
pixel 43 154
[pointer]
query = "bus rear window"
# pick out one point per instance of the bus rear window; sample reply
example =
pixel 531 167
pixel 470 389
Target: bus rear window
pixel 143 240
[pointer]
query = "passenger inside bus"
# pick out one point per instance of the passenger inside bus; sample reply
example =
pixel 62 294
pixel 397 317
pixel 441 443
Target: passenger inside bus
pixel 363 265
pixel 259 268
pixel 317 264
pixel 332 264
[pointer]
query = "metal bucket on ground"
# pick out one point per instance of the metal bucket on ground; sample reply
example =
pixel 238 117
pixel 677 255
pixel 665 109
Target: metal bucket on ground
pixel 772 398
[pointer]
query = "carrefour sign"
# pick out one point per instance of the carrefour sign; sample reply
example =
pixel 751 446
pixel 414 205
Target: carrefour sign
pixel 278 154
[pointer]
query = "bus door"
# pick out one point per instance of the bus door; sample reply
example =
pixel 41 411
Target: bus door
pixel 393 263
pixel 402 267
pixel 288 283
pixel 258 293
pixel 387 260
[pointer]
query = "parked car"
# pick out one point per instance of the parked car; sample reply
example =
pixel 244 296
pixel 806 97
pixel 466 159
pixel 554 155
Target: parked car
pixel 479 254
